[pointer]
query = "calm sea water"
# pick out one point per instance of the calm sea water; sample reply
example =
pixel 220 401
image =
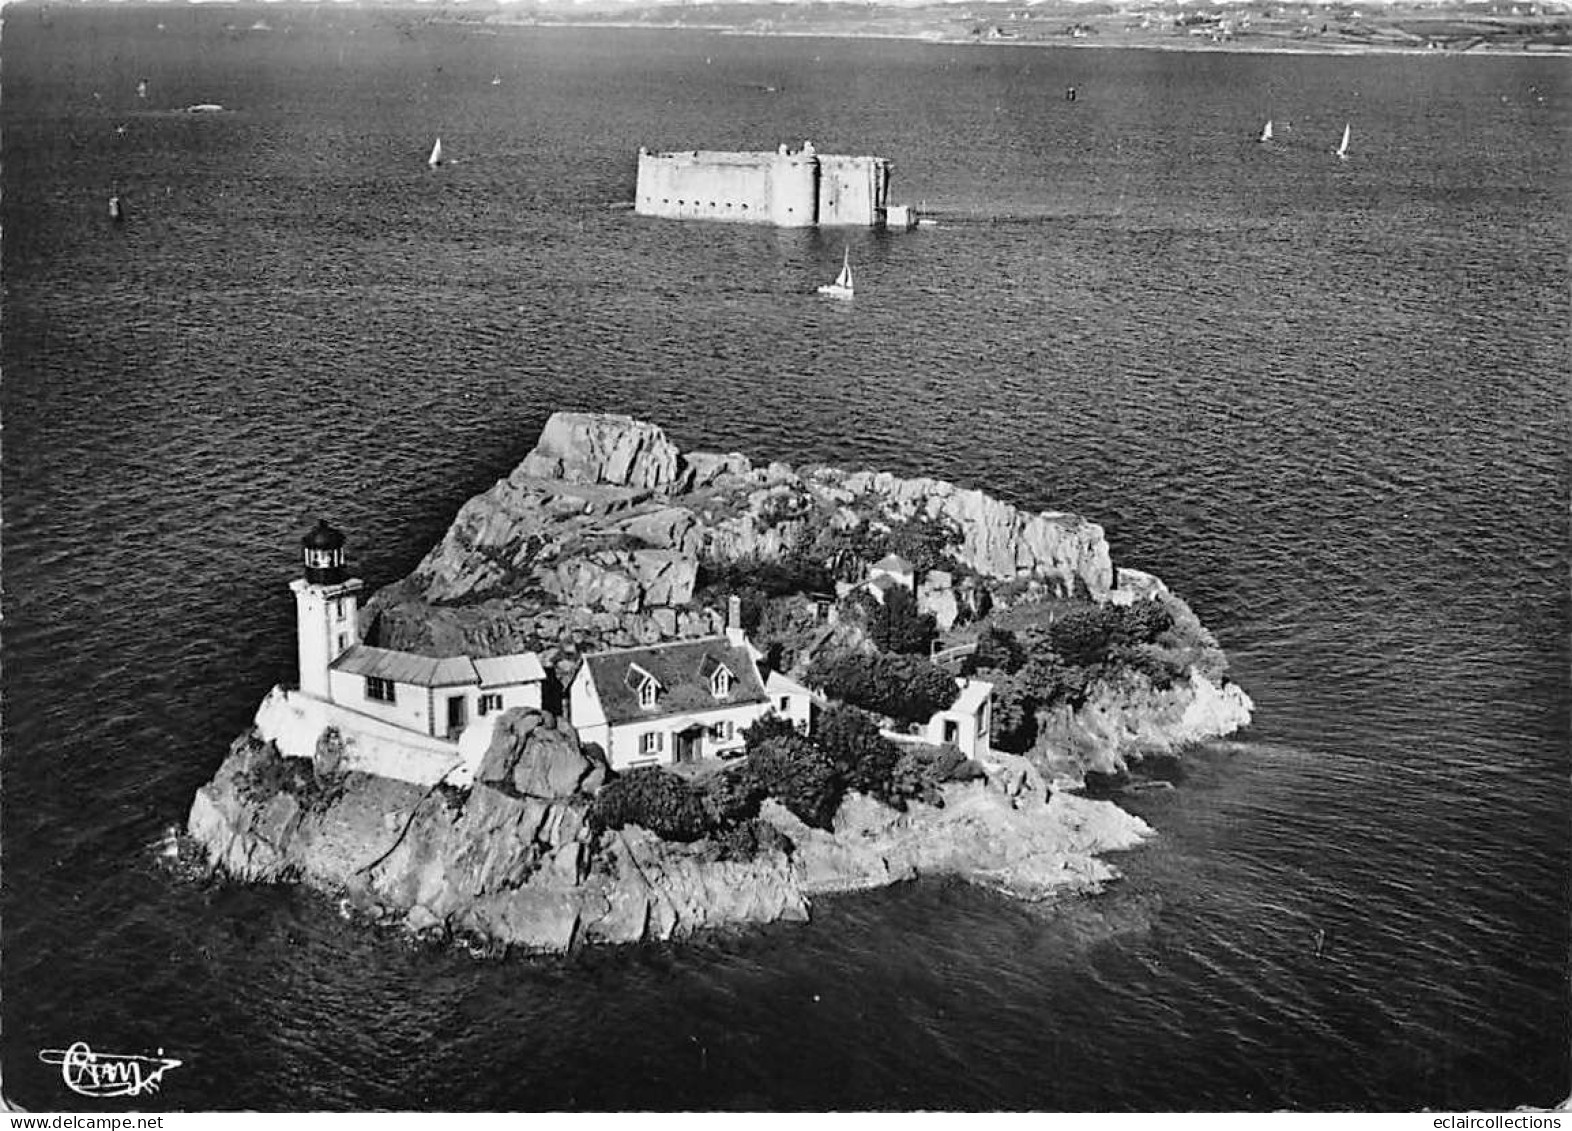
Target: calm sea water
pixel 1325 400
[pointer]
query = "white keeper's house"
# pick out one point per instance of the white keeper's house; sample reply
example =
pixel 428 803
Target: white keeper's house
pixel 682 701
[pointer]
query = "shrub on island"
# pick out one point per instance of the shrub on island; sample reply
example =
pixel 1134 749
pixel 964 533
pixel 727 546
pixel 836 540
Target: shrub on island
pixel 270 773
pixel 864 758
pixel 924 542
pixel 921 769
pixel 1041 667
pixel 895 625
pixel 1093 634
pixel 907 689
pixel 811 776
pixel 667 805
pixel 757 578
pixel 997 650
pixel 746 840
pixel 799 774
pixel 1014 711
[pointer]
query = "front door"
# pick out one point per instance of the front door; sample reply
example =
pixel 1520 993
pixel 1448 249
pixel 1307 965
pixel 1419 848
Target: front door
pixel 458 714
pixel 688 746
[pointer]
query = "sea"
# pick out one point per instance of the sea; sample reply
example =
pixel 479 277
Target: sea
pixel 1325 400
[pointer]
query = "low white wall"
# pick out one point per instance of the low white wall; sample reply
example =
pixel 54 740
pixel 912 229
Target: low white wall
pixel 294 722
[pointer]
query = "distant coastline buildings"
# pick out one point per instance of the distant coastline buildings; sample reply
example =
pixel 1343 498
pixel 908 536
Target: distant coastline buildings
pixel 788 188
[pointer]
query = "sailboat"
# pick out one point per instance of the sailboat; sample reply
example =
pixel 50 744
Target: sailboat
pixel 116 213
pixel 842 287
pixel 1342 150
pixel 436 154
pixel 1266 131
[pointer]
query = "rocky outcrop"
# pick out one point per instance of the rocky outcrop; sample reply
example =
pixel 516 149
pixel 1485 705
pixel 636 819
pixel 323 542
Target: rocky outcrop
pixel 1125 721
pixel 1008 834
pixel 997 540
pixel 936 595
pixel 622 581
pixel 606 515
pixel 514 860
pixel 581 447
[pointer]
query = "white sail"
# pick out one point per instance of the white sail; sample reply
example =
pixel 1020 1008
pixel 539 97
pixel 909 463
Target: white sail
pixel 1266 131
pixel 436 154
pixel 842 287
pixel 1342 150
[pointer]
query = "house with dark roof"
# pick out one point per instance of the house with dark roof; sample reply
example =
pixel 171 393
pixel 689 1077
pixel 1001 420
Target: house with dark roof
pixel 670 703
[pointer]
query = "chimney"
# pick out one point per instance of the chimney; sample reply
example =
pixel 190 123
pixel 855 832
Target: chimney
pixel 734 631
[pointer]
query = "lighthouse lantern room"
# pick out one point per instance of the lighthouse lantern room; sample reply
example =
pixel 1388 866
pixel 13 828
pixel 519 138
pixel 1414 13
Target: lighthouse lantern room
pixel 327 607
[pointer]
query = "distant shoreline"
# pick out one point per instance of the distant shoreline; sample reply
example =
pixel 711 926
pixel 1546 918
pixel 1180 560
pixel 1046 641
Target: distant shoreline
pixel 1195 45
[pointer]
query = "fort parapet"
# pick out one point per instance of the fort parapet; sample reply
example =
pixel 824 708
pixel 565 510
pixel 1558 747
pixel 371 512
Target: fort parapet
pixel 791 189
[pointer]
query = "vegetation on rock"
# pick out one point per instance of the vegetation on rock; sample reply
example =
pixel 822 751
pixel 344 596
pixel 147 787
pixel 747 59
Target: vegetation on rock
pixel 924 542
pixel 895 624
pixel 798 773
pixel 1043 666
pixel 920 770
pixel 756 579
pixel 270 773
pixel 907 689
pixel 749 839
pixel 863 757
pixel 667 805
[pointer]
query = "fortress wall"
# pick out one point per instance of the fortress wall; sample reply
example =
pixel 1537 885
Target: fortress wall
pixel 791 190
pixel 852 190
pixel 706 186
pixel 795 202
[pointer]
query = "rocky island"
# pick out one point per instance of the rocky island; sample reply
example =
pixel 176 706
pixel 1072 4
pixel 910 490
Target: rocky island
pixel 634 693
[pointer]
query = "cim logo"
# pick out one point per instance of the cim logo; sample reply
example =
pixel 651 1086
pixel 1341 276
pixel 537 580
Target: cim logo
pixel 105 1075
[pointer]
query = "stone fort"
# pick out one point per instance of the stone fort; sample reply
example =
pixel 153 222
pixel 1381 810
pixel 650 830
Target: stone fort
pixel 791 189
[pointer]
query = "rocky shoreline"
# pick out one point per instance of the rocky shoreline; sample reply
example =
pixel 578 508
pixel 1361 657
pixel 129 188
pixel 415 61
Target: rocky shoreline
pixel 514 861
pixel 606 535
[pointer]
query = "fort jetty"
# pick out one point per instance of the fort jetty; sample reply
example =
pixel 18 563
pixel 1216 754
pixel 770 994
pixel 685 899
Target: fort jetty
pixel 636 692
pixel 788 188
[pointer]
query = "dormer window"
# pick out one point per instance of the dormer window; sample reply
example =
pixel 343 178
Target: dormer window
pixel 719 676
pixel 642 683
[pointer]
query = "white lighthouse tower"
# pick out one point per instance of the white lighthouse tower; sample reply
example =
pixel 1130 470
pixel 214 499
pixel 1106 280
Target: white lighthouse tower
pixel 327 604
